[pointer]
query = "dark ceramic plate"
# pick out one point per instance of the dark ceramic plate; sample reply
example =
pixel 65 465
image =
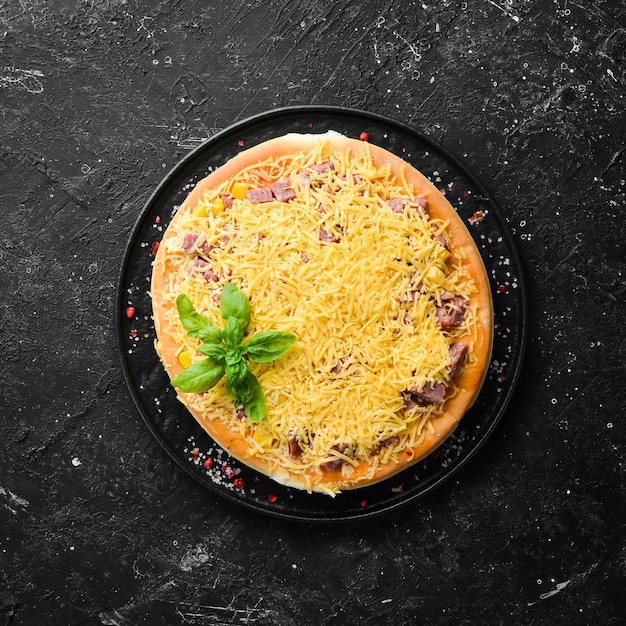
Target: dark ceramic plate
pixel 175 428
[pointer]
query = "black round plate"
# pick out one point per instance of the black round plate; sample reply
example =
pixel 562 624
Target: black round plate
pixel 179 433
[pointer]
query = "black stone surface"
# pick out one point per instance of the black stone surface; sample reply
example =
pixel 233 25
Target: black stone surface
pixel 98 101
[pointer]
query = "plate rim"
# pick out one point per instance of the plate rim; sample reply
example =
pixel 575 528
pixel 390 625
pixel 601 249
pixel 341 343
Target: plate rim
pixel 402 127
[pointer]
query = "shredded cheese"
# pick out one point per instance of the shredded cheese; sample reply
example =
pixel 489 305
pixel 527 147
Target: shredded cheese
pixel 358 284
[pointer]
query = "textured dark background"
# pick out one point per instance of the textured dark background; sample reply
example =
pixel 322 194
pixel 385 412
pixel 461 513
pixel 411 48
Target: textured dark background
pixel 98 100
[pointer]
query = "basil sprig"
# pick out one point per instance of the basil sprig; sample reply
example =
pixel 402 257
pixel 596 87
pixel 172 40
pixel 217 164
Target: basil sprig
pixel 225 351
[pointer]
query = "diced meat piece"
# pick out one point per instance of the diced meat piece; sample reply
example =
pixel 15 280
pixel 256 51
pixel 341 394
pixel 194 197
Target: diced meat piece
pixel 458 354
pixel 320 208
pixel 294 447
pixel 227 199
pixel 304 257
pixel 446 296
pixel 282 191
pixel 189 242
pixel 396 205
pixel 259 195
pixel 199 262
pixel 210 276
pixel 458 313
pixel 409 402
pixel 339 366
pixel 453 317
pixel 331 466
pixel 241 413
pixel 429 394
pixel 443 317
pixel 327 237
pixel 320 168
pixel 440 239
pixel 305 179
pixel 389 441
pixel 420 203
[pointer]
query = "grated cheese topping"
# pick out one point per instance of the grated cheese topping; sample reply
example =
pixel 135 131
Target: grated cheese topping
pixel 360 285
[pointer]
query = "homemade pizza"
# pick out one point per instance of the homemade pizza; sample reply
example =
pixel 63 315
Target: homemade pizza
pixel 322 311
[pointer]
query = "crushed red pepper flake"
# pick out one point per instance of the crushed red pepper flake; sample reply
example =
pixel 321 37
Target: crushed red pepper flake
pixel 239 483
pixel 133 332
pixel 364 136
pixel 501 288
pixel 272 498
pixel 154 247
pixel 130 312
pixel 478 217
pixel 240 142
pixel 229 472
pixel 208 463
pixel 363 503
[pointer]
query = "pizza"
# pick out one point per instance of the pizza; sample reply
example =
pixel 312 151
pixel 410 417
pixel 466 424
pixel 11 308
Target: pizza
pixel 362 263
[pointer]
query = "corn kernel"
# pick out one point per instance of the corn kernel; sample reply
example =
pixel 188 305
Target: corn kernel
pixel 217 206
pixel 184 358
pixel 239 190
pixel 435 274
pixel 263 437
pixel 200 211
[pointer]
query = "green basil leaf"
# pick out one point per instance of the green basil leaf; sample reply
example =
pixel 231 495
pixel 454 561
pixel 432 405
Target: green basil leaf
pixel 234 303
pixel 200 376
pixel 254 401
pixel 235 376
pixel 234 355
pixel 214 350
pixel 268 346
pixel 210 334
pixel 233 332
pixel 196 324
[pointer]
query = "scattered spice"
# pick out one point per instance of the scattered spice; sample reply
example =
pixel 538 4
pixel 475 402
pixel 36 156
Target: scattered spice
pixel 363 503
pixel 271 498
pixel 208 463
pixel 238 483
pixel 240 142
pixel 501 288
pixel 364 136
pixel 478 217
pixel 133 332
pixel 229 472
pixel 130 312
pixel 154 247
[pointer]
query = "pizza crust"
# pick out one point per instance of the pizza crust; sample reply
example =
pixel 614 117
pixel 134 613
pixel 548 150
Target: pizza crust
pixel 468 381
